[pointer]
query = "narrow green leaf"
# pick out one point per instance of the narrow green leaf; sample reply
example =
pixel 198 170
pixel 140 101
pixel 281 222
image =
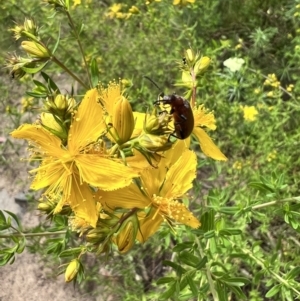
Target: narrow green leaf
pixel 169 292
pixel 260 186
pixel 2 218
pixel 295 272
pixel 209 234
pixel 189 259
pixel 178 269
pixel 192 285
pixel 50 82
pixel 230 232
pixel 37 94
pixel 164 280
pixel 182 246
pixel 94 72
pixel 70 252
pixel 273 291
pixel 57 42
pixel 238 292
pixel 34 70
pixel 229 210
pixel 201 263
pixel 236 281
pixel 14 217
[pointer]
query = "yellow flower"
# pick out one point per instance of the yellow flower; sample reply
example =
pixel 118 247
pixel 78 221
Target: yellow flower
pixel 159 191
pixel 204 119
pixel 237 165
pixel 183 2
pixel 69 171
pixel 250 113
pixel 115 11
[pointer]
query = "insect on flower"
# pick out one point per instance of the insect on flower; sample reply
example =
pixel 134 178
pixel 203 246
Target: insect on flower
pixel 180 110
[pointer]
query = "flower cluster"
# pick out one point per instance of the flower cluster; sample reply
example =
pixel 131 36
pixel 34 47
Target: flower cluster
pixel 117 174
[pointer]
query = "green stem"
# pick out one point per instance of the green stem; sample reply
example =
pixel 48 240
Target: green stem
pixel 208 273
pixel 297 199
pixel 80 47
pixel 275 275
pixel 61 65
pixel 19 234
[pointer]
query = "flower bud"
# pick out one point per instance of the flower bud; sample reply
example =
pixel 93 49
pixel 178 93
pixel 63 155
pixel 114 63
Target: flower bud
pixel 72 270
pixel 61 102
pixel 157 124
pixel 201 65
pixel 123 121
pixel 30 28
pixel 125 237
pixel 47 207
pixel 190 56
pixel 154 143
pixel 35 49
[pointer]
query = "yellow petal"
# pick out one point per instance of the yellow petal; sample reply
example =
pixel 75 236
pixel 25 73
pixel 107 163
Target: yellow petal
pixel 139 120
pixel 149 224
pixel 202 118
pixel 104 173
pixel 49 172
pixel 172 155
pixel 88 123
pixel 82 201
pixel 207 145
pixel 50 145
pixel 180 176
pixel 128 197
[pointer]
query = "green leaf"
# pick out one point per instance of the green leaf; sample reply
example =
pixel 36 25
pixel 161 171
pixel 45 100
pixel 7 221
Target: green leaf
pixel 2 218
pixel 5 259
pixel 209 234
pixel 295 272
pixel 238 292
pixel 164 280
pixel 182 246
pixel 260 186
pixel 189 259
pixel 178 269
pixel 70 252
pixel 37 94
pixel 14 217
pixel 52 85
pixel 236 281
pixel 273 291
pixel 230 232
pixel 169 292
pixel 202 263
pixel 94 72
pixel 192 285
pixel 229 210
pixel 34 70
pixel 57 42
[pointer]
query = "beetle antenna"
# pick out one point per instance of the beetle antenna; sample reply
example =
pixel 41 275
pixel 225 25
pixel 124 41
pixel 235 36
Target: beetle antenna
pixel 153 82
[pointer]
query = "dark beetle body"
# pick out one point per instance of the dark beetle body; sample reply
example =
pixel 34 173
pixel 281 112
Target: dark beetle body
pixel 182 115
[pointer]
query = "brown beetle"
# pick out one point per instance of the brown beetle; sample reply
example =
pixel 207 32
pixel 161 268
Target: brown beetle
pixel 182 115
pixel 181 111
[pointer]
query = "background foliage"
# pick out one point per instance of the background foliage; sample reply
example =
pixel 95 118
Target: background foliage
pixel 248 245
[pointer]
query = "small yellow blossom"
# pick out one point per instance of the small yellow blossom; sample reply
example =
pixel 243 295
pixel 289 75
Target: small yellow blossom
pixel 290 88
pixel 271 156
pixel 257 90
pixel 76 3
pixel 250 113
pixel 238 46
pixel 270 94
pixel 183 2
pixel 237 165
